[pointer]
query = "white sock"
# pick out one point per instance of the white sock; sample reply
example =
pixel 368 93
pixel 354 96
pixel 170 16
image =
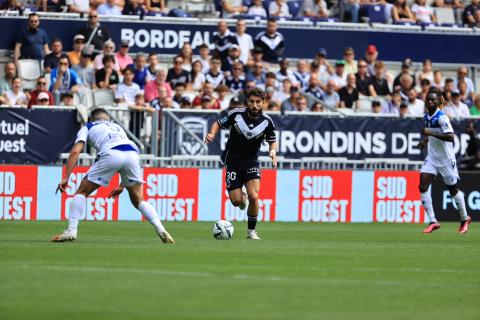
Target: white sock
pixel 149 212
pixel 460 202
pixel 77 208
pixel 427 204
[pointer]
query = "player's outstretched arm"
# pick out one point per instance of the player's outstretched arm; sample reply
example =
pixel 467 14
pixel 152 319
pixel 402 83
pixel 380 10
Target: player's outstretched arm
pixel 272 152
pixel 71 164
pixel 441 136
pixel 213 132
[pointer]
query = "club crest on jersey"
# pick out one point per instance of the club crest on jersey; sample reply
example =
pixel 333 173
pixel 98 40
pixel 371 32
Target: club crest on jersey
pixel 187 144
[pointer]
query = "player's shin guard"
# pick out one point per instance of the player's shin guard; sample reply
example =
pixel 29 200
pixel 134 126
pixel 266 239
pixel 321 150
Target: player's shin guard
pixel 151 215
pixel 252 223
pixel 427 204
pixel 77 207
pixel 460 202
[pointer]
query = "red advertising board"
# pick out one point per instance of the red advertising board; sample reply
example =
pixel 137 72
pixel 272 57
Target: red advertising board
pixel 325 196
pixel 266 199
pixel 172 192
pixel 99 206
pixel 396 197
pixel 18 192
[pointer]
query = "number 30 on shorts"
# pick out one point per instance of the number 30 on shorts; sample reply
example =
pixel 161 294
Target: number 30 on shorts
pixel 231 176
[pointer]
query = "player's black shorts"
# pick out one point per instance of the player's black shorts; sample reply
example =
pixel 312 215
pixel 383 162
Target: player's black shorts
pixel 239 173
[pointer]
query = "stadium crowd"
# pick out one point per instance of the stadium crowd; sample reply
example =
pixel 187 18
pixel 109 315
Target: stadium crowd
pixel 220 74
pixel 465 12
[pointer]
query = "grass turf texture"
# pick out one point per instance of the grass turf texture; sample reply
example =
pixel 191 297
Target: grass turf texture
pixel 120 270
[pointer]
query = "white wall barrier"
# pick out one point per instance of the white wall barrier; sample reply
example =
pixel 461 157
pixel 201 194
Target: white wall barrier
pixel 28 193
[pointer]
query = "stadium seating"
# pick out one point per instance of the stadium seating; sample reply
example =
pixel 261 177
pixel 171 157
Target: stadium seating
pixel 103 97
pixel 29 70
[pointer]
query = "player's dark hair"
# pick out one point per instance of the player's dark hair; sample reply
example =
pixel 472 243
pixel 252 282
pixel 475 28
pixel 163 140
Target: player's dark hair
pixel 257 92
pixel 96 112
pixel 107 58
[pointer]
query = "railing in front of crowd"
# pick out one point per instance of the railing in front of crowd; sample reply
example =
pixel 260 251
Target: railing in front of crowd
pixel 306 163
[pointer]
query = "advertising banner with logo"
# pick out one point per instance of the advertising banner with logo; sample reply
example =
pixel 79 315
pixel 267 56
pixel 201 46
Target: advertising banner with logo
pixel 396 197
pixel 18 193
pixel 168 38
pixel 172 192
pixel 317 136
pixel 444 205
pixel 99 206
pixel 191 194
pixel 325 196
pixel 266 199
pixel 35 136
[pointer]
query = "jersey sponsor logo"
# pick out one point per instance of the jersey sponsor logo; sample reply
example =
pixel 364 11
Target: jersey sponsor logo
pixel 189 145
pixel 172 192
pixel 396 197
pixel 99 206
pixel 18 193
pixel 266 199
pixel 325 196
pixel 244 129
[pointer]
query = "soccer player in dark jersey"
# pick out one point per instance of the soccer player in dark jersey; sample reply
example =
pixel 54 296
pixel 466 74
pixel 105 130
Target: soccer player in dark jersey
pixel 248 128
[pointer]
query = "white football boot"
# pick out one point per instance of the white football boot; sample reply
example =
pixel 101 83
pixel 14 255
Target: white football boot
pixel 252 235
pixel 66 235
pixel 165 236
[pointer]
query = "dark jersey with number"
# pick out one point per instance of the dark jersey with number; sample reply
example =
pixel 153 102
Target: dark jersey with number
pixel 246 135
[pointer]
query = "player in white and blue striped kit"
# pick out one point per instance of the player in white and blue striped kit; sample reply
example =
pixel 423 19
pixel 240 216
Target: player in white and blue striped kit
pixel 116 153
pixel 440 160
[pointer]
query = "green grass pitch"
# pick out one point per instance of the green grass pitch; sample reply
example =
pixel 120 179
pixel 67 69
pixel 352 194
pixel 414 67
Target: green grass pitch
pixel 120 270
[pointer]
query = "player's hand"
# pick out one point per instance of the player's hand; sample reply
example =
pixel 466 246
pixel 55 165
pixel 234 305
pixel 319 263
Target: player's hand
pixel 62 186
pixel 426 132
pixel 273 155
pixel 115 193
pixel 209 138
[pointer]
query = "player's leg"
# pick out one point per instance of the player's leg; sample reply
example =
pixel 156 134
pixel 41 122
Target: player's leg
pixel 426 180
pixel 450 177
pixel 253 187
pixel 135 193
pixel 132 179
pixel 99 174
pixel 77 207
pixel 234 184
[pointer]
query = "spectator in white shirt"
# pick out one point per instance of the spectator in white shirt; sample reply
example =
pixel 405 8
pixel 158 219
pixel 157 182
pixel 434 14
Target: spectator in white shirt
pixel 232 7
pixel 456 109
pixel 278 8
pixel 423 12
pixel 127 90
pixel 315 9
pixel 339 78
pixel 245 41
pixel 78 6
pixel 257 9
pixel 16 96
pixel 416 107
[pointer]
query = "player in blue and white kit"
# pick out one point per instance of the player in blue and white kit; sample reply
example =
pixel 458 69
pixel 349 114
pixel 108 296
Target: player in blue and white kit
pixel 116 153
pixel 440 159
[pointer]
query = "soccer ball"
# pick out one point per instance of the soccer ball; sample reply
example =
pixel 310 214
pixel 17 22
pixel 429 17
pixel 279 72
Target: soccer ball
pixel 222 230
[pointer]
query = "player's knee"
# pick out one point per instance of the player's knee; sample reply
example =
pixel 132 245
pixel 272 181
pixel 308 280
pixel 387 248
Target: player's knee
pixel 236 202
pixel 253 197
